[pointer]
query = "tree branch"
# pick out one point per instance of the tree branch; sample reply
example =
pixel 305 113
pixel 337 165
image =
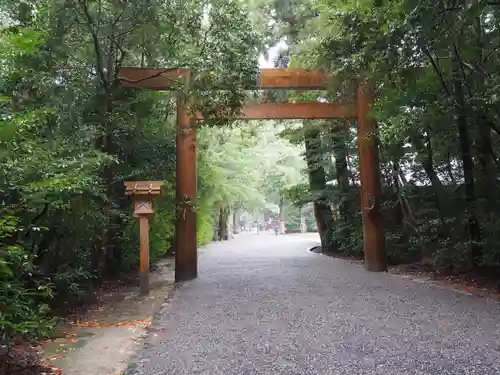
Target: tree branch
pixel 487 56
pixel 97 47
pixel 118 63
pixel 163 71
pixel 426 51
pixel 205 39
pixel 461 61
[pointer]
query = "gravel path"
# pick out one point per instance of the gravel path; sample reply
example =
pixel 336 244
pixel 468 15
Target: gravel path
pixel 266 305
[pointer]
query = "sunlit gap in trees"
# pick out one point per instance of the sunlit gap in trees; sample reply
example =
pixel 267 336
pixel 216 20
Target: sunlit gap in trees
pixel 254 166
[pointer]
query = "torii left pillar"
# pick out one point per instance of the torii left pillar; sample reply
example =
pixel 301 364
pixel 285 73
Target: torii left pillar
pixel 186 252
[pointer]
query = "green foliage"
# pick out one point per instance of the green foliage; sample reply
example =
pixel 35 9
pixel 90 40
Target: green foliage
pixel 206 224
pixel 434 70
pixel 299 194
pixel 28 315
pixel 162 228
pixel 242 168
pixel 70 135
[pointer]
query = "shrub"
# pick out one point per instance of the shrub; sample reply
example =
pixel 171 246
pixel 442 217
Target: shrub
pixel 23 299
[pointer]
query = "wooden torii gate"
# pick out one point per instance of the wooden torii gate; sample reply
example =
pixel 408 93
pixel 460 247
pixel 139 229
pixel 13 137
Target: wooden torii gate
pixel 186 262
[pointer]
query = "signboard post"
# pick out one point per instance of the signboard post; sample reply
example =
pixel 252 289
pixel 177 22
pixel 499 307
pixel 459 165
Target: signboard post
pixel 142 193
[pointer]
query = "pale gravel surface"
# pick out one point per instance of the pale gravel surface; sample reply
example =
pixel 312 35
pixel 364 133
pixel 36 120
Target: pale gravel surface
pixel 266 305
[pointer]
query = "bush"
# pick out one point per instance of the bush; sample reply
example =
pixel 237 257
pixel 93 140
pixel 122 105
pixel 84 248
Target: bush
pixel 162 228
pixel 205 222
pixel 24 300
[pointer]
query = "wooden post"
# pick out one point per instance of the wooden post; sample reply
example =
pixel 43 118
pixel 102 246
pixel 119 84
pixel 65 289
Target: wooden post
pixel 282 216
pixel 144 263
pixel 143 192
pixel 282 229
pixel 186 252
pixel 373 230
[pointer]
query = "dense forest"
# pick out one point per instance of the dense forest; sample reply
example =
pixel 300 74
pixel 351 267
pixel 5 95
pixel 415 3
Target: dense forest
pixel 432 66
pixel 70 135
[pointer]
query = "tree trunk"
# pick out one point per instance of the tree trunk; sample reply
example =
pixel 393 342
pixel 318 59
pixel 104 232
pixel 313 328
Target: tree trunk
pixel 236 223
pixel 486 155
pixel 343 175
pixel 426 155
pixel 223 227
pixel 317 183
pixel 467 163
pixel 303 226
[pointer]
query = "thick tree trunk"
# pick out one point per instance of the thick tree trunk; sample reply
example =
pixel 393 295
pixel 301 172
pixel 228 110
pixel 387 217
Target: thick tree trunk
pixel 317 182
pixel 303 226
pixel 488 162
pixel 223 224
pixel 346 209
pixel 236 223
pixel 468 164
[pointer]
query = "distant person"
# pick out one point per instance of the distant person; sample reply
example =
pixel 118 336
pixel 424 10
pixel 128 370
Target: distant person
pixel 276 229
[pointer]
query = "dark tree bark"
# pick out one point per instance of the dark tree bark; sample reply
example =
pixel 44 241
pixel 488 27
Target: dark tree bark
pixel 467 163
pixel 343 175
pixel 317 182
pixel 223 229
pixel 236 221
pixel 426 155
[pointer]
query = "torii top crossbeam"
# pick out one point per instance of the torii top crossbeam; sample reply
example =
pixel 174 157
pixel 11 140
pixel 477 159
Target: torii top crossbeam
pixel 269 79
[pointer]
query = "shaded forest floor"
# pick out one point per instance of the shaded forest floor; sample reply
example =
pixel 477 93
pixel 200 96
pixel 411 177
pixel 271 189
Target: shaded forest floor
pixel 26 358
pixel 113 308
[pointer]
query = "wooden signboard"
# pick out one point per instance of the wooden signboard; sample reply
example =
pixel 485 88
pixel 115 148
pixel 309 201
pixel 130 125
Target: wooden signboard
pixel 143 192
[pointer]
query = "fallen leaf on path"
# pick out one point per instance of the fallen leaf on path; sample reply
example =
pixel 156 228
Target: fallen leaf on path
pixel 115 324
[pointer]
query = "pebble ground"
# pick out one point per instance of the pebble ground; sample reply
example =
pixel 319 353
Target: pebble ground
pixel 266 305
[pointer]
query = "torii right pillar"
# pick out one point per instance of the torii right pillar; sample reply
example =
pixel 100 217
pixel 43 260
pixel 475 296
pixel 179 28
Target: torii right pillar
pixel 186 250
pixel 369 172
